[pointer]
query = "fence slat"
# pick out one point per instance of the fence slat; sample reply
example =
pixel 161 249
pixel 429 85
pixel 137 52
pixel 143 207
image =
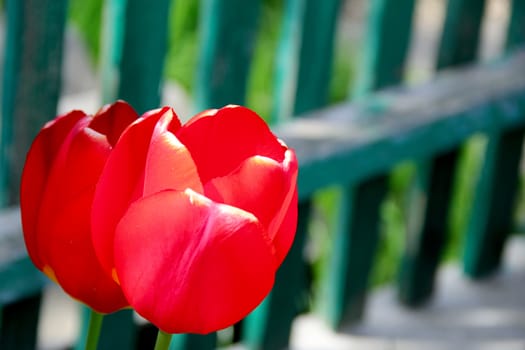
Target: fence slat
pixel 386 44
pixel 118 331
pixel 287 60
pixel 227 40
pixel 424 247
pixel 19 324
pixel 268 327
pixel 134 47
pixel 387 39
pixel 134 51
pixel 193 342
pixel 316 54
pixel 302 83
pixel 516 28
pixel 492 213
pixel 458 46
pixel 461 32
pixel 354 247
pixel 491 217
pixel 31 82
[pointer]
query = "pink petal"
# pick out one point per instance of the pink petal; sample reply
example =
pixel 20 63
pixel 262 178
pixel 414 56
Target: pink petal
pixel 190 265
pixel 219 140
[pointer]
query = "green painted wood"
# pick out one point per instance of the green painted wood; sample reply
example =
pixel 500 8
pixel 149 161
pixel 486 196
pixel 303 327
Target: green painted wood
pixel 492 213
pixel 31 82
pixel 516 28
pixel 19 324
pixel 385 46
pixel 491 216
pixel 354 250
pixel 304 58
pixel 424 246
pixel 228 31
pixel 350 142
pixel 316 54
pixel 268 327
pixel 386 43
pixel 460 37
pixel 22 279
pixel 458 46
pixel 287 60
pixel 135 39
pixel 303 68
pixel 135 50
pixel 118 331
pixel 193 341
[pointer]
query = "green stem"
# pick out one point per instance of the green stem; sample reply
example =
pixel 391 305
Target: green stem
pixel 95 324
pixel 163 341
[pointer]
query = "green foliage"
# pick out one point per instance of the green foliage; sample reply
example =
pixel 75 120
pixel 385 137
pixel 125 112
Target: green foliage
pixel 259 96
pixel 470 162
pixel 181 59
pixel 87 17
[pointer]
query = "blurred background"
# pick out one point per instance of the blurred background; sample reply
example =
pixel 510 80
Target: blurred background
pixel 83 88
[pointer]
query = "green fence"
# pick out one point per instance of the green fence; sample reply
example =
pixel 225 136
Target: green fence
pixel 353 145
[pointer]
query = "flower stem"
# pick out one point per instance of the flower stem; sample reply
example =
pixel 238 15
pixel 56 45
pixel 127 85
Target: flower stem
pixel 163 341
pixel 95 324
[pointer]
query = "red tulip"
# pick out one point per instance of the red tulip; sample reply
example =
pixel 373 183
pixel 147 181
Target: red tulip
pixel 193 221
pixel 57 188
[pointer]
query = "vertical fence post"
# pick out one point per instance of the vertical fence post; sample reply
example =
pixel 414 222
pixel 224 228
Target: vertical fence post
pixel 389 29
pixel 227 40
pixel 491 216
pixel 31 85
pixel 303 68
pixel 461 32
pixel 516 27
pixel 134 50
pixel 287 60
pixel 134 47
pixel 228 31
pixel 31 82
pixel 459 44
pixel 269 326
pixel 492 212
pixel 388 36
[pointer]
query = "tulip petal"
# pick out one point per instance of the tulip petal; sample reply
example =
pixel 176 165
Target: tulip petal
pixel 76 170
pixel 72 258
pixel 123 179
pixel 285 234
pixel 266 189
pixel 258 186
pixel 190 265
pixel 290 167
pixel 112 119
pixel 169 165
pixel 39 161
pixel 219 140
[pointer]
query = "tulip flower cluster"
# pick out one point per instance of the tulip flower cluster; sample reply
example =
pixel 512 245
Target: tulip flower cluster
pixel 187 224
